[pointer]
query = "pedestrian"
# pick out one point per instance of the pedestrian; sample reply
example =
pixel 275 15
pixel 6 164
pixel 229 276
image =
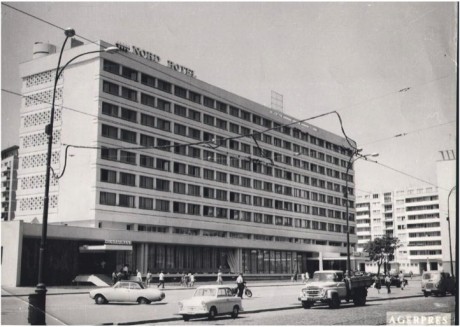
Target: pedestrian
pixel 240 285
pixel 377 284
pixel 126 271
pixel 307 276
pixel 120 275
pixel 148 277
pixel 114 277
pixel 219 277
pixel 303 278
pixel 189 279
pixel 139 276
pixel 410 274
pixel 161 278
pixel 192 280
pixel 388 283
pixel 401 280
pixel 183 279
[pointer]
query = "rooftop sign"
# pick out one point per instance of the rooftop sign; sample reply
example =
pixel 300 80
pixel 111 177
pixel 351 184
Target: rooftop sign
pixel 155 58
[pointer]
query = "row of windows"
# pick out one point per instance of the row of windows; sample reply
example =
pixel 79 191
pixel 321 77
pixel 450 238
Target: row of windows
pixel 129 179
pixel 129 201
pixel 220 158
pixel 208 102
pixel 214 233
pixel 179 129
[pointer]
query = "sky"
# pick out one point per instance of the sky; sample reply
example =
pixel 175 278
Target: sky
pixel 387 68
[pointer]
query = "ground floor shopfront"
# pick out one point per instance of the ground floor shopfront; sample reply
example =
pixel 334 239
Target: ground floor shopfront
pixel 96 251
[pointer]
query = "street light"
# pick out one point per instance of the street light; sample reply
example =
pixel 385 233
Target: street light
pixel 448 225
pixel 38 302
pixel 354 153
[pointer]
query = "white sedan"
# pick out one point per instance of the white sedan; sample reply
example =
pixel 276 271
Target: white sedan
pixel 126 291
pixel 210 301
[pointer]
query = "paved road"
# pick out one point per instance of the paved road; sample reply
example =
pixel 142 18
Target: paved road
pixel 74 307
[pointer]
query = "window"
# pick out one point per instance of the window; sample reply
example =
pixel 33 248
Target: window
pixel 195 97
pixel 221 195
pixel 208 192
pixel 221 177
pixel 145 203
pixel 148 141
pixel 110 88
pixel 129 115
pixel 208 102
pixel 179 168
pixel 162 185
pixel 129 94
pixel 109 131
pixel 209 120
pixel 246 148
pixel 194 190
pixel 163 164
pixel 208 174
pixel 126 201
pixel 234 128
pixel 147 100
pixel 146 182
pixel 193 171
pixel 194 133
pixel 129 73
pixel 180 91
pixel 127 179
pixel 164 86
pixel 222 107
pixel 194 115
pixel 234 111
pixel 111 67
pixel 179 187
pixel 109 154
pixel 221 213
pixel 147 120
pixel 245 115
pixel 128 157
pixel 234 179
pixel 148 80
pixel 178 207
pixel 222 124
pixel 208 211
pixel 108 176
pixel 109 109
pixel 180 149
pixel 164 145
pixel 162 205
pixel 164 105
pixel 164 125
pixel 180 129
pixel 180 110
pixel 109 199
pixel 128 136
pixel 193 209
pixel 246 182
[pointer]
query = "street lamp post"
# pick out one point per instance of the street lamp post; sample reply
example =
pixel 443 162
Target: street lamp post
pixel 354 153
pixel 448 226
pixel 38 301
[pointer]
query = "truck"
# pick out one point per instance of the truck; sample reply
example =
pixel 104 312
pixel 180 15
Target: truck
pixel 331 287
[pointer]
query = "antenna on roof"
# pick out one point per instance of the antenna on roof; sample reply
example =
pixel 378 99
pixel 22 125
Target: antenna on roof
pixel 277 101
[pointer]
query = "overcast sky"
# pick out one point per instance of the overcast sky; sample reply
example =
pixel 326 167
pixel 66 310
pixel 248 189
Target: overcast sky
pixel 387 68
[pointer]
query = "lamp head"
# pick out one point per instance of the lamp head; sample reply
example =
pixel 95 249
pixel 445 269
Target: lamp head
pixel 69 32
pixel 111 50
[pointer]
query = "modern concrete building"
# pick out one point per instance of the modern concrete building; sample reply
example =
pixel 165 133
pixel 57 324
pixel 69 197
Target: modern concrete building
pixel 9 182
pixel 413 217
pixel 447 169
pixel 167 172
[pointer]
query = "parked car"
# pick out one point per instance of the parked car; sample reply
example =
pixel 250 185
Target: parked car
pixel 437 283
pixel 126 291
pixel 210 301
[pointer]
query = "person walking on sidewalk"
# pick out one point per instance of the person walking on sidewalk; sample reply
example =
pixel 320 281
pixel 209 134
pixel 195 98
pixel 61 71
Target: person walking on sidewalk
pixel 139 276
pixel 148 277
pixel 219 277
pixel 240 284
pixel 388 283
pixel 401 279
pixel 161 279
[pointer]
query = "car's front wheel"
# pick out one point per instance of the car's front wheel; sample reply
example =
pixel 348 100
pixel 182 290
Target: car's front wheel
pixel 186 317
pixel 212 313
pixel 306 304
pixel 235 311
pixel 143 300
pixel 425 294
pixel 100 299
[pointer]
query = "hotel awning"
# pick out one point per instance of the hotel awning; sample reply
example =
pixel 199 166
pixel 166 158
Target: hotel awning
pixel 105 247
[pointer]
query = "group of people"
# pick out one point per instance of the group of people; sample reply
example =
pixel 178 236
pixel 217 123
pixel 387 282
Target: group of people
pixel 304 277
pixel 187 280
pixel 125 273
pixel 388 280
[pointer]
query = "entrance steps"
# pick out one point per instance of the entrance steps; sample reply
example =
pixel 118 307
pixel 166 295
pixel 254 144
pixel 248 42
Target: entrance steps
pixel 96 279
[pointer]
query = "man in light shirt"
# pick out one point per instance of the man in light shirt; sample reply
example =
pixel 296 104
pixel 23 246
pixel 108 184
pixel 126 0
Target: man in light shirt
pixel 240 284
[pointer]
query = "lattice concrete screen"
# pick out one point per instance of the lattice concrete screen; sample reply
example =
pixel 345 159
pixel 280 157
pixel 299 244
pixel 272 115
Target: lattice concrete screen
pixel 36 203
pixel 40 139
pixel 41 118
pixel 38 160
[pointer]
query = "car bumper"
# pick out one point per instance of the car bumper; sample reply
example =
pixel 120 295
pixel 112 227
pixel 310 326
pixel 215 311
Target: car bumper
pixel 193 311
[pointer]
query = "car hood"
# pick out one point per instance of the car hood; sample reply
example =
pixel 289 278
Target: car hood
pixel 320 284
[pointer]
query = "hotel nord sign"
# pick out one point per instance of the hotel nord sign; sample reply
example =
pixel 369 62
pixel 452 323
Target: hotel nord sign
pixel 155 58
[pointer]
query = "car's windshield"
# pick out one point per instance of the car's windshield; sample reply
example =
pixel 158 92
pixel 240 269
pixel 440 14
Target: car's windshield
pixel 205 292
pixel 324 277
pixel 431 276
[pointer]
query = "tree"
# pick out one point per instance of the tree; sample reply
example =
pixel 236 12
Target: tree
pixel 382 250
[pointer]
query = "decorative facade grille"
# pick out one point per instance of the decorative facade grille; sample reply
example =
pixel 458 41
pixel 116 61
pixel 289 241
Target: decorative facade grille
pixel 42 97
pixel 38 160
pixel 36 203
pixel 41 118
pixel 39 139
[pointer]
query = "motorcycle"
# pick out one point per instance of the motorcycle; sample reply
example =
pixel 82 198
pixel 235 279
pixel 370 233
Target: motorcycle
pixel 246 291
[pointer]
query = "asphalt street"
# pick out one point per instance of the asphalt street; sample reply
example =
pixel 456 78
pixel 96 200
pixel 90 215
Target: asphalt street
pixel 72 306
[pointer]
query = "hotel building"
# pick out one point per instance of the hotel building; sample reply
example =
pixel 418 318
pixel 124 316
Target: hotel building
pixel 413 217
pixel 9 182
pixel 163 171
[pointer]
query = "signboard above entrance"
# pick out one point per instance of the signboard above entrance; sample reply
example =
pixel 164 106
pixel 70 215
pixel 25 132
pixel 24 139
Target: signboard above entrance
pixel 155 58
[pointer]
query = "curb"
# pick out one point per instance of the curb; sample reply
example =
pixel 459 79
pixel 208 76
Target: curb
pixel 244 312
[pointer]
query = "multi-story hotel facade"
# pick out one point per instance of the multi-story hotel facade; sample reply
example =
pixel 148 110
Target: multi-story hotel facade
pixel 163 171
pixel 410 215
